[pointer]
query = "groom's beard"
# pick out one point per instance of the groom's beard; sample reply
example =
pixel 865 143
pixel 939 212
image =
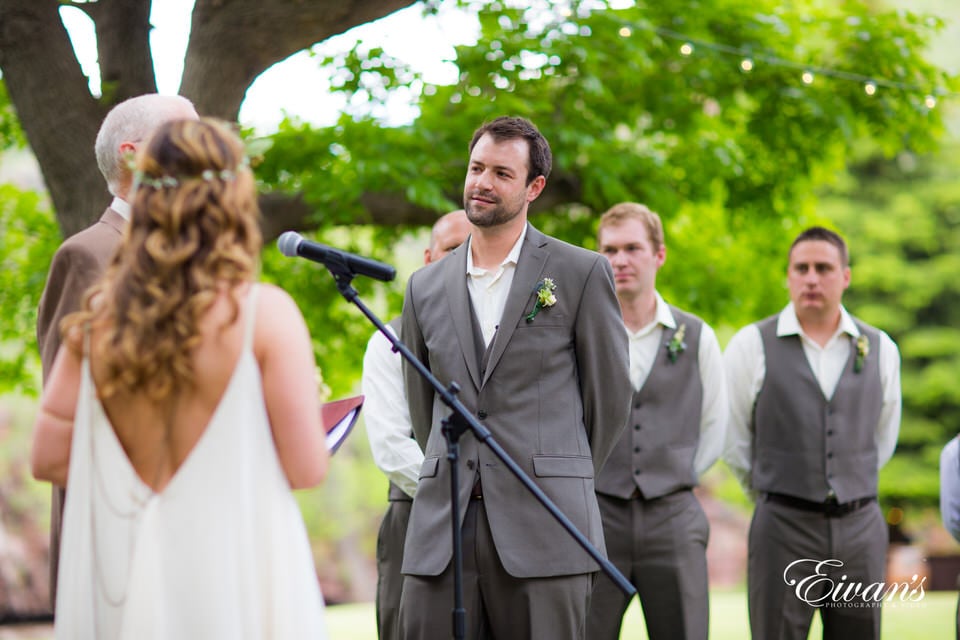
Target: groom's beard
pixel 494 214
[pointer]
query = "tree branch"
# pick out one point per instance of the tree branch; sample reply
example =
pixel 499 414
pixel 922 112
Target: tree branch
pixel 282 212
pixel 123 49
pixel 234 41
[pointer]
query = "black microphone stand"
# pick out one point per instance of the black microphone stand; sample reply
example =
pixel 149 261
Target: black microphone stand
pixel 454 426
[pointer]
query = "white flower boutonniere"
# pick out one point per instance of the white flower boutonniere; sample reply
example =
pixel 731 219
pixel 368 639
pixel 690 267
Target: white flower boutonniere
pixel 545 297
pixel 863 350
pixel 676 345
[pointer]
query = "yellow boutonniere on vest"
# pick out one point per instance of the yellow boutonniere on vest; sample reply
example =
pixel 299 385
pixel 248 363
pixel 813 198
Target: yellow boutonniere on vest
pixel 545 297
pixel 676 345
pixel 863 350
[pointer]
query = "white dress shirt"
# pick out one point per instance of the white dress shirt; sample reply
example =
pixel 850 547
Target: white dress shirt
pixel 488 289
pixel 745 366
pixel 121 206
pixel 646 343
pixel 387 415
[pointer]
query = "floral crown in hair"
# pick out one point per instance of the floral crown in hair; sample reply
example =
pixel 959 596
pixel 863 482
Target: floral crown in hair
pixel 207 175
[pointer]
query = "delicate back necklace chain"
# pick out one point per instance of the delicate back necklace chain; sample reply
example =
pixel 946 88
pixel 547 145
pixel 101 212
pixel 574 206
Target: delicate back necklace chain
pixel 101 495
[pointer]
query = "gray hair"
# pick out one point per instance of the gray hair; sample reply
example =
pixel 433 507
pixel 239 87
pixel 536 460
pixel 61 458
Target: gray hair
pixel 133 120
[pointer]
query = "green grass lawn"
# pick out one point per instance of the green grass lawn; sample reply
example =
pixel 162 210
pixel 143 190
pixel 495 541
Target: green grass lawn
pixel 930 619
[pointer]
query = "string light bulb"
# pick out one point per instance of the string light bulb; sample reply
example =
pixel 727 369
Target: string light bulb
pixel 625 32
pixel 808 73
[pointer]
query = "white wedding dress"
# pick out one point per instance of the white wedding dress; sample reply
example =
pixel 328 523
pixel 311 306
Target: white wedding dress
pixel 220 553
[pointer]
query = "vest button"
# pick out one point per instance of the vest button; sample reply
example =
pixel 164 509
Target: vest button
pixel 481 414
pixel 636 449
pixel 636 472
pixel 829 454
pixel 470 464
pixel 829 432
pixel 636 404
pixel 636 427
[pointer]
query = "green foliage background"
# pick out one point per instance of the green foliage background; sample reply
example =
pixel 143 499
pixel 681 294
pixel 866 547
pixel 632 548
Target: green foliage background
pixel 29 238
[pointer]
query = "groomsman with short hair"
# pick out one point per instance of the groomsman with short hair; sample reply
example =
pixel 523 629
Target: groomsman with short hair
pixel 814 414
pixel 655 528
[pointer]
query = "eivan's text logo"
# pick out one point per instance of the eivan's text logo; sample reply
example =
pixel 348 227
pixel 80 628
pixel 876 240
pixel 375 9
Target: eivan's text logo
pixel 828 587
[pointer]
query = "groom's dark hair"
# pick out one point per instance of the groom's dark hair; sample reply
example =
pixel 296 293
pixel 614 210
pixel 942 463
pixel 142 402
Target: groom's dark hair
pixel 540 161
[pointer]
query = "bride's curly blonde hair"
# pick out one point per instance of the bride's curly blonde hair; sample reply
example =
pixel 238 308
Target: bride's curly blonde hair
pixel 193 232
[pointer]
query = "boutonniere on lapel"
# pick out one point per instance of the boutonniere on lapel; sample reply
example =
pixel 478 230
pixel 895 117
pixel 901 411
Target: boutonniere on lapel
pixel 545 297
pixel 676 345
pixel 863 350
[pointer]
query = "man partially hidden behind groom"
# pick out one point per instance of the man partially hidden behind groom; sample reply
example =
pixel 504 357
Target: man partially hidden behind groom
pixel 531 330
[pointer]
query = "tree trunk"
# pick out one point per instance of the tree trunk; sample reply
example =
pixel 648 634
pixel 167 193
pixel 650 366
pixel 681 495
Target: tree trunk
pixel 231 43
pixel 56 111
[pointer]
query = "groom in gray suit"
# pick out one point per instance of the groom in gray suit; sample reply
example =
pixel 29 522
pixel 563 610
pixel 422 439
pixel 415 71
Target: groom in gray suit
pixel 530 328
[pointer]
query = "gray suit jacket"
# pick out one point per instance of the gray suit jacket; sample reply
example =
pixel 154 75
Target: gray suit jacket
pixel 555 395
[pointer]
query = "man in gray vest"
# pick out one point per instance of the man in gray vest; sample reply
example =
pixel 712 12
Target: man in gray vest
pixel 655 530
pixel 394 450
pixel 814 414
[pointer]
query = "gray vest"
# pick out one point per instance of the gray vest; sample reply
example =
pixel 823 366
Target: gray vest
pixel 805 445
pixel 396 493
pixel 656 449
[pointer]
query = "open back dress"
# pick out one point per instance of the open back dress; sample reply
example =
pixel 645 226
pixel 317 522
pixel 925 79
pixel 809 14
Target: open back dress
pixel 220 553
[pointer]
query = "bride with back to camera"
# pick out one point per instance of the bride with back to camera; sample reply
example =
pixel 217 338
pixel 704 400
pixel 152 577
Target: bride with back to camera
pixel 180 412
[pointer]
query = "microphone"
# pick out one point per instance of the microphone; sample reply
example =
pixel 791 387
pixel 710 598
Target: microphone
pixel 292 244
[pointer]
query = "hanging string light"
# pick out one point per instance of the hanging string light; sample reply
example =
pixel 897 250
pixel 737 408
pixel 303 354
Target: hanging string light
pixel 808 74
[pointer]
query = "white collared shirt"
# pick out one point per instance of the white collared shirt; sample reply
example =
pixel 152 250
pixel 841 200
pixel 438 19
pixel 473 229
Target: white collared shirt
pixel 744 362
pixel 644 346
pixel 387 415
pixel 121 206
pixel 488 289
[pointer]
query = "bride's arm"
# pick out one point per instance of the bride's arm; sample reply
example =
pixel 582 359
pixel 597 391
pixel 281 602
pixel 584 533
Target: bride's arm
pixel 284 351
pixel 53 428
